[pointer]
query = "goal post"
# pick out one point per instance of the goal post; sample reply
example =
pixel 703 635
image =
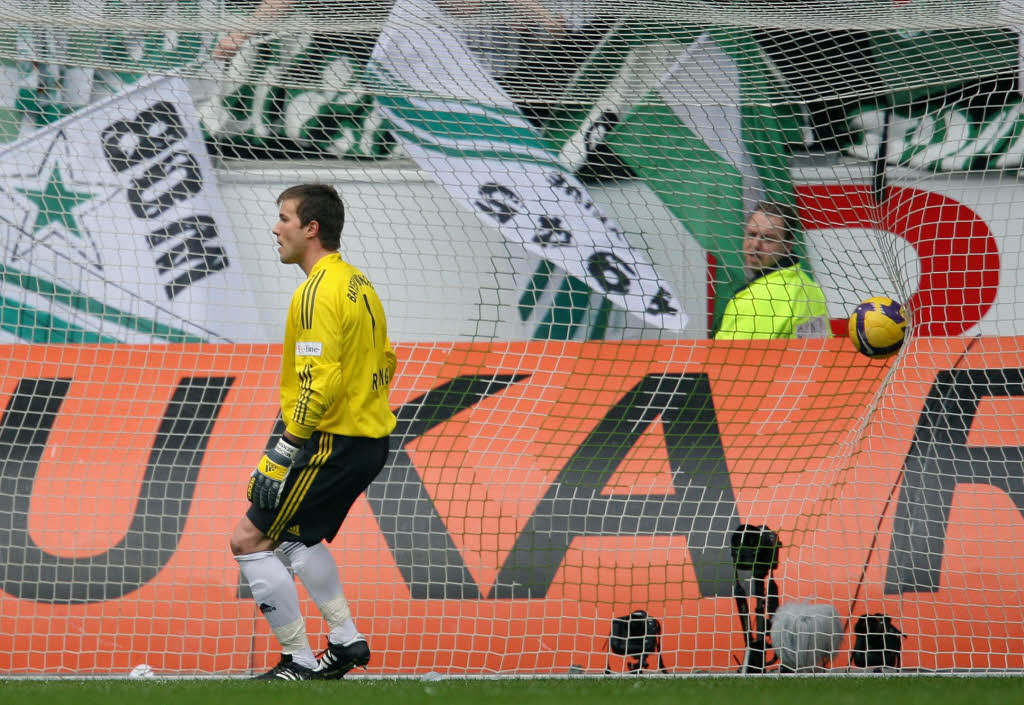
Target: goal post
pixel 550 199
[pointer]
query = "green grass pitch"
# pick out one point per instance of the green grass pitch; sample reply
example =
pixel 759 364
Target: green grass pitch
pixel 769 690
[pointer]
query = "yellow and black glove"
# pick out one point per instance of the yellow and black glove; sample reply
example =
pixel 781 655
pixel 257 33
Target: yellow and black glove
pixel 268 478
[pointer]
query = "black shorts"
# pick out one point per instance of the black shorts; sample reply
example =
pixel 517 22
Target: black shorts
pixel 328 473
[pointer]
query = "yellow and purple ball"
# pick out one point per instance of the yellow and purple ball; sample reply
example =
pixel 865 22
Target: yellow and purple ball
pixel 878 327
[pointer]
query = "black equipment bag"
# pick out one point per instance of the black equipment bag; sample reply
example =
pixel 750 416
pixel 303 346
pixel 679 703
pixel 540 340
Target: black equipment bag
pixel 877 642
pixel 636 636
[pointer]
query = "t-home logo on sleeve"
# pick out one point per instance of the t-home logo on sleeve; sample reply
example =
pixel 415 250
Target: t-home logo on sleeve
pixel 309 349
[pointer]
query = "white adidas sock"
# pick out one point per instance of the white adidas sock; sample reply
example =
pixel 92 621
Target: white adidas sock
pixel 277 598
pixel 318 571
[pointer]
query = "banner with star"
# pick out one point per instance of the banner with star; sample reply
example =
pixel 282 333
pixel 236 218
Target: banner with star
pixel 112 229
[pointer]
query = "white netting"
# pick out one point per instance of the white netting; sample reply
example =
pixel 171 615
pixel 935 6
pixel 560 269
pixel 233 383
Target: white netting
pixel 550 198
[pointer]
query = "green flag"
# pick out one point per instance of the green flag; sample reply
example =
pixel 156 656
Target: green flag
pixel 700 123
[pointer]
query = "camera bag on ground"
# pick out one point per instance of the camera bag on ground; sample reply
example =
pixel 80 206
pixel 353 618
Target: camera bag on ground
pixel 636 636
pixel 877 643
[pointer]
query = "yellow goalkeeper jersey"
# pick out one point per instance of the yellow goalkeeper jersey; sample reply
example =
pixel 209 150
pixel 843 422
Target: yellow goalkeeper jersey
pixel 337 362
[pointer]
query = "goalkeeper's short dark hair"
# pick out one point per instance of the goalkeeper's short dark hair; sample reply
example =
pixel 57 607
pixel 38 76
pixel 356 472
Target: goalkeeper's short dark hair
pixel 319 202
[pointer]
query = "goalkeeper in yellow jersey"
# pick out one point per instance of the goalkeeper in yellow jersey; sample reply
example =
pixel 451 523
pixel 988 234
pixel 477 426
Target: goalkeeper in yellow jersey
pixel 336 369
pixel 780 300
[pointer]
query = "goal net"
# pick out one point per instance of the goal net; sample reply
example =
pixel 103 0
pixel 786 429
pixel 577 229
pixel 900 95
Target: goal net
pixel 627 440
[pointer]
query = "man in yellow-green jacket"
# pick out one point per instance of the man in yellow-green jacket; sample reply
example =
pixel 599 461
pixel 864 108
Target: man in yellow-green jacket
pixel 780 299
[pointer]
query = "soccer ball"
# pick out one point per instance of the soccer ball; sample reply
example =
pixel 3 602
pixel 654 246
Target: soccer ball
pixel 878 327
pixel 143 670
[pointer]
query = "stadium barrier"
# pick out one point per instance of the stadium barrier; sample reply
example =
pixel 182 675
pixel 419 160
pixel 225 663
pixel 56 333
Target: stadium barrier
pixel 483 548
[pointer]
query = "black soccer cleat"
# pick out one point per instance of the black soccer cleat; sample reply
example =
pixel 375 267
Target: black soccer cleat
pixel 338 659
pixel 286 670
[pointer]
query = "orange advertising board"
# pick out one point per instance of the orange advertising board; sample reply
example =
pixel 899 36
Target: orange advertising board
pixel 534 492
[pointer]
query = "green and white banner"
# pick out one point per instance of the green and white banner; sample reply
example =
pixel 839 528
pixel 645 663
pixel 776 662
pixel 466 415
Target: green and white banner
pixel 459 125
pixel 693 121
pixel 941 137
pixel 324 112
pixel 47 73
pixel 112 229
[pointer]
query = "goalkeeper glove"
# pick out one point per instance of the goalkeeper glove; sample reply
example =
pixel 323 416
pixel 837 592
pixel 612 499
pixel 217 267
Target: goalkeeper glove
pixel 268 478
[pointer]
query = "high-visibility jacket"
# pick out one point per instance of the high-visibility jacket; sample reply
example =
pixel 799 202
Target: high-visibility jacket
pixel 783 303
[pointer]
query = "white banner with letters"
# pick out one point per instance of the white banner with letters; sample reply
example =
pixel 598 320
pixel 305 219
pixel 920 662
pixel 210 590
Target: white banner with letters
pixel 458 125
pixel 112 229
